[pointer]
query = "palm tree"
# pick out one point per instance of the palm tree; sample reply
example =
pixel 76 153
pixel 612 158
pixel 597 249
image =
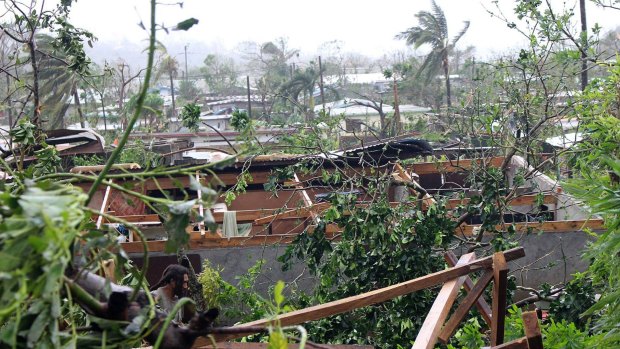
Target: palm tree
pixel 433 30
pixel 170 66
pixel 58 84
pixel 302 83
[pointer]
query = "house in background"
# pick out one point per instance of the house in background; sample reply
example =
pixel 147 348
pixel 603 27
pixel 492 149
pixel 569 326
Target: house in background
pixel 359 116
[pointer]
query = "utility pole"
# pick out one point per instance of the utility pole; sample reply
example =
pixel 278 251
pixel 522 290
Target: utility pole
pixel 584 45
pixel 249 100
pixel 186 72
pixel 397 125
pixel 322 91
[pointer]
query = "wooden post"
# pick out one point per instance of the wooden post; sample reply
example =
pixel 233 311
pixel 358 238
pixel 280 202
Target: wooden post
pixel 306 198
pixel 500 274
pixel 532 330
pixel 482 305
pixel 104 206
pixel 201 212
pixel 459 314
pixel 427 337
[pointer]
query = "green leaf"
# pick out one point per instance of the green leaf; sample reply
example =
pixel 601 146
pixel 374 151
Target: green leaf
pixel 277 293
pixel 186 24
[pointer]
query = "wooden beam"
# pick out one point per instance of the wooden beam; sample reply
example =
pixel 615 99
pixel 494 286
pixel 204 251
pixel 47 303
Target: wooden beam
pixel 104 206
pixel 381 295
pixel 235 345
pixel 520 343
pixel 201 225
pixel 459 314
pixel 547 227
pixel 427 336
pixel 518 201
pixel 482 305
pixel 209 242
pixel 228 179
pixel 453 165
pixel 300 212
pixel 532 199
pixel 245 215
pixel 137 219
pixel 306 198
pixel 500 281
pixel 304 212
pixel 532 330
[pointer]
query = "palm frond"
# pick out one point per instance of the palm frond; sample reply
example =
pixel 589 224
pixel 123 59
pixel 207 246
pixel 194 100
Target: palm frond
pixel 461 33
pixel 440 19
pixel 430 66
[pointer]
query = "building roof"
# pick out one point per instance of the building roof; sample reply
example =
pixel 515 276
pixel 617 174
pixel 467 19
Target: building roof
pixel 361 107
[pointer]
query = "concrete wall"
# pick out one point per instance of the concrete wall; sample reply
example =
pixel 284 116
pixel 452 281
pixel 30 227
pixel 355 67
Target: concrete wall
pixel 550 258
pixel 236 261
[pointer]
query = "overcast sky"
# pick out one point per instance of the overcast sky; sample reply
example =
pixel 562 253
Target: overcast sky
pixel 363 26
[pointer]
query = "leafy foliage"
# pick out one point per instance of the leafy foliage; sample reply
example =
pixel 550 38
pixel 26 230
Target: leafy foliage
pixel 44 220
pixel 377 248
pixel 138 153
pixel 599 167
pixel 240 120
pixel 220 73
pixel 578 296
pixel 190 116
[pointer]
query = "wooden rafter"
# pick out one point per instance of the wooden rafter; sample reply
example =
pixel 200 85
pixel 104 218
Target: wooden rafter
pixel 427 336
pixel 452 165
pixel 300 212
pixel 483 307
pixel 473 297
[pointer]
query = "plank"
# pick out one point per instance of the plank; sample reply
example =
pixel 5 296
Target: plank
pixel 136 219
pixel 481 304
pixel 235 345
pixel 300 212
pixel 498 307
pixel 201 225
pixel 521 200
pixel 306 198
pixel 532 330
pixel 547 227
pixel 304 212
pixel 459 314
pixel 453 165
pixel 104 206
pixel 210 241
pixel 380 295
pixel 427 336
pixel 520 343
pixel 244 215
